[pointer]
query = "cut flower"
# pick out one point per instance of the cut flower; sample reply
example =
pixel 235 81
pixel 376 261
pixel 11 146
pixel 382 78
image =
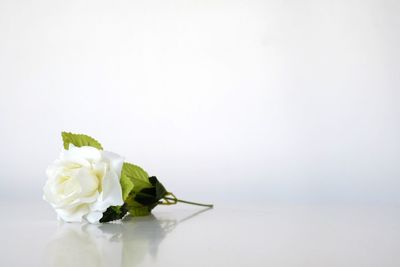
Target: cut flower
pixel 88 183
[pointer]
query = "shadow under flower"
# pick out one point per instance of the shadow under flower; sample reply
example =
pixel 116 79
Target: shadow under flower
pixel 124 243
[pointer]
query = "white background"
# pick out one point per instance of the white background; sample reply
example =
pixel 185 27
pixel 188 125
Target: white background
pixel 254 101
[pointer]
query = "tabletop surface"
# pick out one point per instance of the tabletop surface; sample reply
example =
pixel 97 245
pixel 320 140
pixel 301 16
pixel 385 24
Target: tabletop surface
pixel 228 235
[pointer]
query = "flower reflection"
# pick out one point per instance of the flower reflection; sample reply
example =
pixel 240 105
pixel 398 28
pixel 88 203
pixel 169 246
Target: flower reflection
pixel 81 245
pixel 125 243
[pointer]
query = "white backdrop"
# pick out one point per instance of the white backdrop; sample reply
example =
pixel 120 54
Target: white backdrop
pixel 267 101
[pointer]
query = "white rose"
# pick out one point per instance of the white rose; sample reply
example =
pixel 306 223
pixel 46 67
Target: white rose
pixel 83 183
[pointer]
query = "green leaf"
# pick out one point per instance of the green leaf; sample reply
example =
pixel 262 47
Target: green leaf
pixel 151 196
pixel 126 186
pixel 160 189
pixel 135 208
pixel 133 179
pixel 79 140
pixel 114 213
pixel 141 193
pixel 139 211
pixel 136 175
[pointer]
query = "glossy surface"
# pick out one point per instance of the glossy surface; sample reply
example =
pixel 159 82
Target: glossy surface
pixel 290 235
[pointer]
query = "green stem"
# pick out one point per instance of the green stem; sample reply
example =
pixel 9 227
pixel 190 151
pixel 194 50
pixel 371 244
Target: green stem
pixel 189 202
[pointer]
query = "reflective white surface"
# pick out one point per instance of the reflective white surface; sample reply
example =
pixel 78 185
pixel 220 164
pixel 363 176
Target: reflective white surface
pixel 271 235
